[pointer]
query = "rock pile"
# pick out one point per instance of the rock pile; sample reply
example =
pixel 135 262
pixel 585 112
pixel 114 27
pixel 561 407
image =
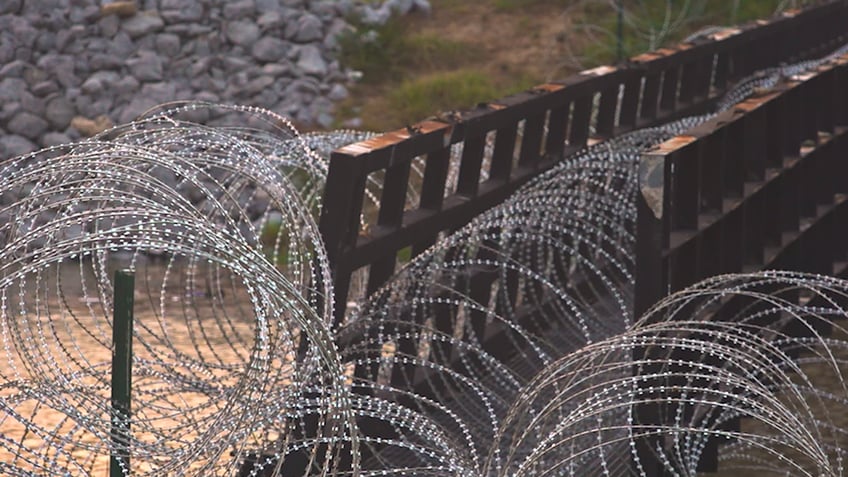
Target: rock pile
pixel 70 68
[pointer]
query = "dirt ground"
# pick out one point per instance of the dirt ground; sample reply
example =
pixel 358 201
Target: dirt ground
pixel 529 41
pixel 173 419
pixel 56 387
pixel 514 48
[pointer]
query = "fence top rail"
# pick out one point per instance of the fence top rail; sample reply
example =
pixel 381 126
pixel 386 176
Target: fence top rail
pixel 507 141
pixel 381 151
pixel 756 186
pixel 739 111
pixel 653 161
pixel 457 124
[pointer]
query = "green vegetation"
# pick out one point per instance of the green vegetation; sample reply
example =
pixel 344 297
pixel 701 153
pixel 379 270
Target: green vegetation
pixel 424 96
pixel 514 5
pixel 404 255
pixel 408 75
pixel 468 52
pixel 269 236
pixel 651 24
pixel 389 53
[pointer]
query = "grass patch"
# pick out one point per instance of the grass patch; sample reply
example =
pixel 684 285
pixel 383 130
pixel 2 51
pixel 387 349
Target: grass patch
pixel 409 74
pixel 418 98
pixel 415 66
pixel 404 255
pixel 514 5
pixel 389 52
pixel 651 24
pixel 275 252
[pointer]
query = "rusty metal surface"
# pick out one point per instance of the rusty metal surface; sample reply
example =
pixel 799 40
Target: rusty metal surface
pixel 674 143
pixel 760 98
pixel 548 87
pixel 599 71
pixel 724 34
pixel 393 138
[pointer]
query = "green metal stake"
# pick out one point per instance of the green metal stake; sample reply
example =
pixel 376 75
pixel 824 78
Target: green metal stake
pixel 122 326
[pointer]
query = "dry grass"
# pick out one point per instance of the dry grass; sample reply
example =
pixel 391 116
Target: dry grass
pixel 513 49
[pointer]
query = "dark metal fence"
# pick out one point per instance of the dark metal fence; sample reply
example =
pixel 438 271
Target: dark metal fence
pixel 761 186
pixel 532 130
pixel 756 187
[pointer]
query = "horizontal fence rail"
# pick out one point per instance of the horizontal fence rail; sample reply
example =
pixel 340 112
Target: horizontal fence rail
pixel 760 186
pixel 521 136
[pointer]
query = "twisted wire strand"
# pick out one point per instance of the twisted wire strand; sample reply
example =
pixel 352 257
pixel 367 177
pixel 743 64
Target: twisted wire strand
pixel 699 367
pixel 560 253
pixel 524 286
pixel 229 327
pixel 507 349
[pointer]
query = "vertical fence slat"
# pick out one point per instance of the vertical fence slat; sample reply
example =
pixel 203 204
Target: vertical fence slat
pixel 753 212
pixel 773 232
pixel 734 162
pixel 722 70
pixel 433 192
pixel 754 148
pixel 809 115
pixel 630 101
pixel 557 128
pixel 469 167
pixel 774 113
pixel 581 117
pixel 392 204
pixel 790 200
pixel 670 84
pixel 685 186
pixel 435 174
pixel 711 163
pixel 650 96
pixel 531 142
pixel 651 230
pixel 791 132
pixel 339 221
pixel 606 111
pixel 502 156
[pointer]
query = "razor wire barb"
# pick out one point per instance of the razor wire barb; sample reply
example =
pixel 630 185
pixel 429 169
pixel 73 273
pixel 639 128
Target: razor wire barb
pixel 239 371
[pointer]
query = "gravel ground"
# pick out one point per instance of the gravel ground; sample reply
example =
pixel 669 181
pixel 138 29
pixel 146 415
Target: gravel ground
pixel 71 68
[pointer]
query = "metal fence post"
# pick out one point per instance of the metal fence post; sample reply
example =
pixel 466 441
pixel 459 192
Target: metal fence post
pixel 122 328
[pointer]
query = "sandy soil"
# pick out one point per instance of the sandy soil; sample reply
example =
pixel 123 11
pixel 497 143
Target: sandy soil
pixel 58 384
